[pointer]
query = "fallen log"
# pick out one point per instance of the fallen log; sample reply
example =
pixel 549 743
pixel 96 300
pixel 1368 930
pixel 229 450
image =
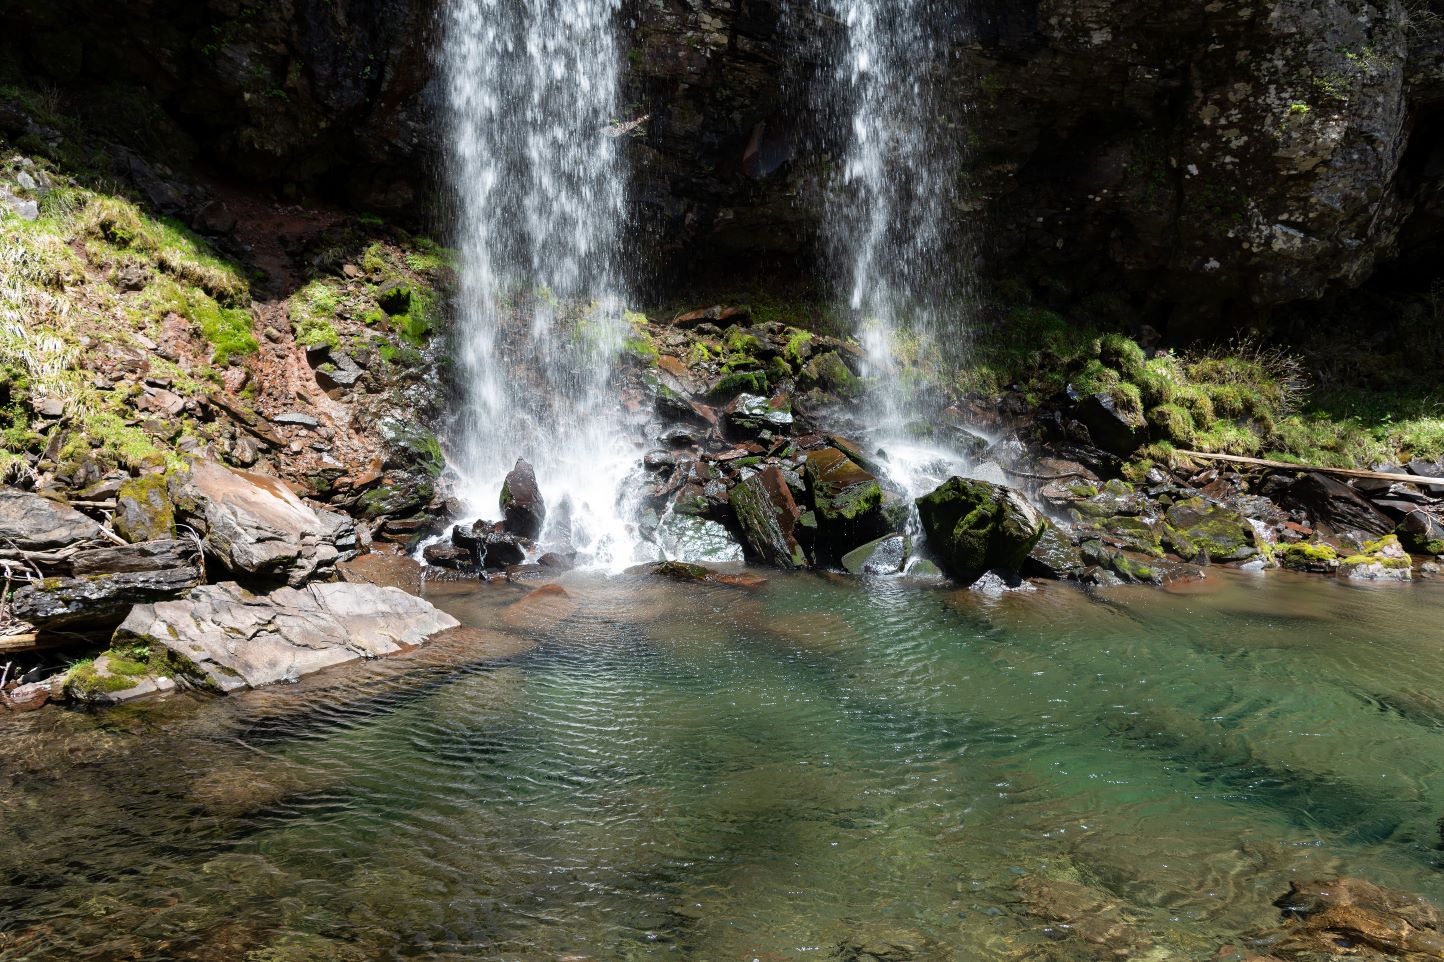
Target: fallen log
pixel 1313 468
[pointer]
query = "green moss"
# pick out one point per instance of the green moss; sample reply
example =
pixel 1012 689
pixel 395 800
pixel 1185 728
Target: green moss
pixel 229 330
pixel 739 382
pixel 1123 355
pixel 796 350
pixel 168 244
pixel 1173 424
pixel 739 342
pixel 313 312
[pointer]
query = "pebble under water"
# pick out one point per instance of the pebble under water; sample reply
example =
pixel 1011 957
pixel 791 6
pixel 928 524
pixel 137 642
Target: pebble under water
pixel 664 771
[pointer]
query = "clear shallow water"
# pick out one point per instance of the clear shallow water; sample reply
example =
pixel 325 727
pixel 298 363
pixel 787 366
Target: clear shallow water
pixel 706 773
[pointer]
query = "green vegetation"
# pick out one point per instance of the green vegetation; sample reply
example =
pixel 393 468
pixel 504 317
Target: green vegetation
pixel 313 313
pixel 228 330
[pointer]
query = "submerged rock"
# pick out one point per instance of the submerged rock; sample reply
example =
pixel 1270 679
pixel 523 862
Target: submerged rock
pixel 1351 916
pixel 32 523
pixel 521 502
pixel 976 526
pixel 223 637
pixel 885 556
pixel 257 528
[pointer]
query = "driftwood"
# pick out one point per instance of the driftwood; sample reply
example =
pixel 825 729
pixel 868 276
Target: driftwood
pixel 22 642
pixel 1313 468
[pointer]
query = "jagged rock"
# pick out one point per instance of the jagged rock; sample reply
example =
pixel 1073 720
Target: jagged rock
pixel 255 527
pixel 1337 504
pixel 767 515
pixel 976 526
pixel 298 419
pixel 143 510
pixel 33 523
pixel 161 555
pixel 521 502
pixel 1422 532
pixel 847 501
pixel 749 414
pixel 885 556
pixel 224 637
pixel 97 600
pixel 1112 428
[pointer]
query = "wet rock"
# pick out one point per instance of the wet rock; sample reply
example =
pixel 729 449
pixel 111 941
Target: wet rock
pixel 885 556
pixel 1349 916
pixel 749 414
pixel 339 372
pixel 25 697
pixel 112 680
pixel 847 500
pixel 1325 499
pixel 33 523
pixel 689 538
pixel 696 574
pixel 225 638
pixel 521 502
pixel 542 610
pixel 384 570
pixel 1073 911
pixel 976 526
pixel 500 550
pixel 443 555
pixel 255 527
pixel 1312 556
pixel 767 516
pixel 1054 556
pixel 143 510
pixel 96 601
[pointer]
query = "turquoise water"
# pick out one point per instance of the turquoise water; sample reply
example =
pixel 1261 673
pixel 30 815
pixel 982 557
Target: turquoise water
pixel 663 771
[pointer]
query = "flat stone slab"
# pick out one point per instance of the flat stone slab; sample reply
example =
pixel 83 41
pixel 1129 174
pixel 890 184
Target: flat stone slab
pixel 228 638
pixel 33 523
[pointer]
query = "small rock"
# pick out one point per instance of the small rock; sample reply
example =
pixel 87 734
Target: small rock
pixel 297 419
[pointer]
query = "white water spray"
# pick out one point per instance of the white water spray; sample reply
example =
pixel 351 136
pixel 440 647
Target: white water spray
pixel 540 192
pixel 892 219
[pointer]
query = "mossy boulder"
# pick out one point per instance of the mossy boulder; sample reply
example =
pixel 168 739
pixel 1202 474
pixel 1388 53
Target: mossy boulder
pixel 143 510
pixel 847 500
pixel 1195 527
pixel 738 382
pixel 828 372
pixel 1113 420
pixel 1314 556
pixel 1383 559
pixel 974 527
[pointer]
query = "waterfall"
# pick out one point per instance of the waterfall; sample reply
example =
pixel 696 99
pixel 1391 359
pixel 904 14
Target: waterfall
pixel 891 216
pixel 540 190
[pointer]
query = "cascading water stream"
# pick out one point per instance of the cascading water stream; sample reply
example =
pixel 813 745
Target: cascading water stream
pixel 540 194
pixel 892 217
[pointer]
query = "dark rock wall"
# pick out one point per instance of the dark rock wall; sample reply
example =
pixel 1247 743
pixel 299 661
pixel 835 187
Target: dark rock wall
pixel 1204 160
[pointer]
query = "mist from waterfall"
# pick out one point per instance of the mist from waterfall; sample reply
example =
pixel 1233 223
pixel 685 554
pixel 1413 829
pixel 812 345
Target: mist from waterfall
pixel 892 214
pixel 540 193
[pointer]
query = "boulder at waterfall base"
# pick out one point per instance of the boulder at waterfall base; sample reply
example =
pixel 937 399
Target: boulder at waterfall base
pixel 975 526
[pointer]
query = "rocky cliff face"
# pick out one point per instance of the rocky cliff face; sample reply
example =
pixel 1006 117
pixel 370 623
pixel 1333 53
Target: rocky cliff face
pixel 1204 161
